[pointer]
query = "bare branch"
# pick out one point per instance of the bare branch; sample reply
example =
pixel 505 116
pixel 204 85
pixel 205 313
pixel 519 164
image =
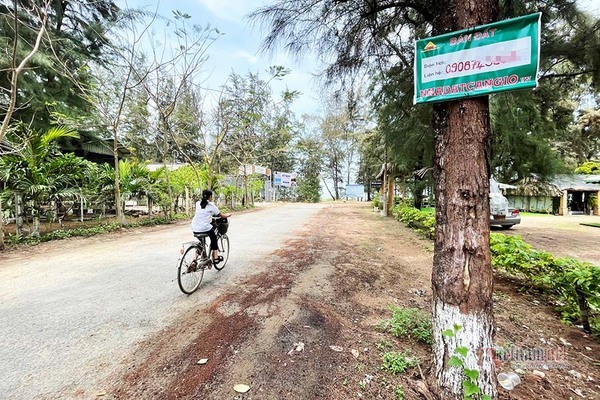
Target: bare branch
pixel 16 70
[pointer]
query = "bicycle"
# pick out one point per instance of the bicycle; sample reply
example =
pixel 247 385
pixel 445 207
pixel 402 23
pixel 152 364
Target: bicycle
pixel 196 258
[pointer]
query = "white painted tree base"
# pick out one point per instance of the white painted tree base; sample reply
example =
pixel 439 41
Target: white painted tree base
pixel 476 335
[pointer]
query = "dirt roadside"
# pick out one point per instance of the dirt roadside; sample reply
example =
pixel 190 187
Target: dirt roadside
pixel 331 287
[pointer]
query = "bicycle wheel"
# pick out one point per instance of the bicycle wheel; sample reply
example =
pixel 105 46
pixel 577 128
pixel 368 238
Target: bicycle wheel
pixel 191 270
pixel 223 242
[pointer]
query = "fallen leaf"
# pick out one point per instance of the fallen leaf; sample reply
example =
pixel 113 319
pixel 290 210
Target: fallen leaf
pixel 336 348
pixel 202 361
pixel 355 353
pixel 564 342
pixel 241 388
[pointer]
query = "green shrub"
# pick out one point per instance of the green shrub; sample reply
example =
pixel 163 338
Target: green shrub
pixel 93 230
pixel 409 323
pixel 376 203
pixel 556 276
pixel 399 392
pixel 560 278
pixel 398 363
pixel 422 222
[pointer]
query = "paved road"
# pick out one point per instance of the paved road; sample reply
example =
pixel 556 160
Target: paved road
pixel 69 310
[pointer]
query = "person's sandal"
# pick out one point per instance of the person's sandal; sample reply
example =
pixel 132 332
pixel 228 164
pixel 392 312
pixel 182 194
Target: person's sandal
pixel 217 260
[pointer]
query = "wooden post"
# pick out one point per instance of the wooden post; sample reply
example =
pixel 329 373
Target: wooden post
pixel 81 205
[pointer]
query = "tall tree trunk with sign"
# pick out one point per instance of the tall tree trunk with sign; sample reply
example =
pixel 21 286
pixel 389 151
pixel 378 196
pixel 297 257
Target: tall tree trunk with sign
pixel 462 273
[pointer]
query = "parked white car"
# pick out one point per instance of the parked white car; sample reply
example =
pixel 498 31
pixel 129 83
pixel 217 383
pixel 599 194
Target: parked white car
pixel 500 214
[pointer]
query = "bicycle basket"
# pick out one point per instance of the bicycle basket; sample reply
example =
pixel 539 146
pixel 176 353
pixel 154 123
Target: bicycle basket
pixel 222 225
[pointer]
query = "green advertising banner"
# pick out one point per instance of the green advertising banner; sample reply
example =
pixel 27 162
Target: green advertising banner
pixel 478 61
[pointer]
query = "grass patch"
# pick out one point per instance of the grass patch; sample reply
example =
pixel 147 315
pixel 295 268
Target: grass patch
pixel 92 230
pixel 397 363
pixel 409 323
pixel 592 224
pixel 536 215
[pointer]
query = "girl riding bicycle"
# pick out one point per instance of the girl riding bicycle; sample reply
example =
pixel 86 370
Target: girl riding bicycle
pixel 202 223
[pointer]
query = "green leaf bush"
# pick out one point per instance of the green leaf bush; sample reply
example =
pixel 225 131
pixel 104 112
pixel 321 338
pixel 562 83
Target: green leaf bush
pixel 558 277
pixel 409 323
pixel 422 222
pixel 94 230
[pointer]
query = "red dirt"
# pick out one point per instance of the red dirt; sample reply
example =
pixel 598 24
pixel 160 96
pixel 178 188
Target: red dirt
pixel 332 289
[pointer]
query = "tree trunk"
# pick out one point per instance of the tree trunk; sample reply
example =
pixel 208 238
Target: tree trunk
pixel 1 227
pixel 390 195
pixel 119 210
pixel 462 272
pixel 81 205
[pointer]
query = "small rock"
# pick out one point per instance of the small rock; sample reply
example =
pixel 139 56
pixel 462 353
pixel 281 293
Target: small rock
pixel 202 361
pixel 520 371
pixel 241 388
pixel 588 348
pixel 355 353
pixel 336 348
pixel 543 341
pixel 575 374
pixel 539 374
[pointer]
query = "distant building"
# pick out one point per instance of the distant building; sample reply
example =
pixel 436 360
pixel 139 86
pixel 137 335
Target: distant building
pixel 564 194
pixel 171 166
pixel 99 152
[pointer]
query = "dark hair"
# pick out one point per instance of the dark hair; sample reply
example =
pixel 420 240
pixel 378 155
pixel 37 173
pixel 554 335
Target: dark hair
pixel 205 196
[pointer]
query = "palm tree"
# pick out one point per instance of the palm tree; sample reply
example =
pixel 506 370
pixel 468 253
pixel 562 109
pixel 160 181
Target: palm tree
pixel 39 173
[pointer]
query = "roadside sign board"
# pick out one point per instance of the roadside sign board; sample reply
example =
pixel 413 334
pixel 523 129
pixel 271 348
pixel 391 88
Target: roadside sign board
pixel 355 190
pixel 253 169
pixel 284 179
pixel 478 61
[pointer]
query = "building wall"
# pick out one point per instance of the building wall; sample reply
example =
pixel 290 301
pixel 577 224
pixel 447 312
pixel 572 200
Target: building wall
pixel 535 204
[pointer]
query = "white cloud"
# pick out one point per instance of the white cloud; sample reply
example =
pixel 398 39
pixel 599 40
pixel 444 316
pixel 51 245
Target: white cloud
pixel 246 55
pixel 231 10
pixel 237 50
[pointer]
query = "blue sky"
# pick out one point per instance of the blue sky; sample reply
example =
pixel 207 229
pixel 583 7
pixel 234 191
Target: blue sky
pixel 238 49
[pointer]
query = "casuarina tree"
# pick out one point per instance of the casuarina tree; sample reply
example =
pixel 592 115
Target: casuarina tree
pixel 361 34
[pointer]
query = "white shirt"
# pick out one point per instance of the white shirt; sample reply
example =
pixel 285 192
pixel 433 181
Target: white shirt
pixel 203 217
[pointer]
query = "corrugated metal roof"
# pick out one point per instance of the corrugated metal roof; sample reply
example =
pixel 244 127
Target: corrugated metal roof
pixel 592 179
pixel 575 182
